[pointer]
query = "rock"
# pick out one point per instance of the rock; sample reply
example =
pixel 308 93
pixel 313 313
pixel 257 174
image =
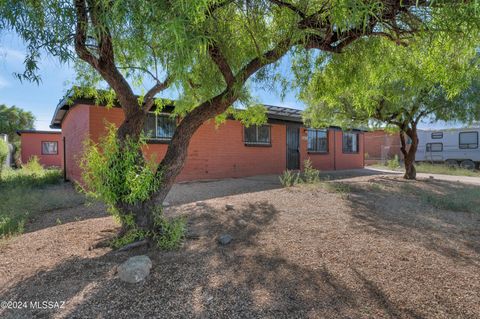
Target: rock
pixel 229 207
pixel 201 204
pixel 242 222
pixel 135 269
pixel 166 204
pixel 225 239
pixel 431 177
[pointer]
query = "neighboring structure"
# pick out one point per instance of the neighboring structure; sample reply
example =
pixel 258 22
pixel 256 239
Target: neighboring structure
pixel 451 146
pixel 381 146
pixel 9 158
pixel 227 150
pixel 46 145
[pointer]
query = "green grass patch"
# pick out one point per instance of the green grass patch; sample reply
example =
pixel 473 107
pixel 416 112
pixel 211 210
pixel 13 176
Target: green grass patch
pixel 435 169
pixel 443 169
pixel 465 199
pixel 27 192
pixel 337 187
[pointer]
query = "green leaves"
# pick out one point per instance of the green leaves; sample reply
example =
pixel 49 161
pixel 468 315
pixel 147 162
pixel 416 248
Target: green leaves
pixel 118 174
pixel 376 79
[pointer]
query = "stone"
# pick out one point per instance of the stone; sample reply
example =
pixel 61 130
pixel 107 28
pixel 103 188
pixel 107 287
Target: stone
pixel 166 204
pixel 242 222
pixel 135 269
pixel 201 204
pixel 225 239
pixel 229 207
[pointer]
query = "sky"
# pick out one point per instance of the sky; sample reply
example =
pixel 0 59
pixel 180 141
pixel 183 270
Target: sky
pixel 41 99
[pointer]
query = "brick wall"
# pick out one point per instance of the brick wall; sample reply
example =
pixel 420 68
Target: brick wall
pixel 381 145
pixel 31 145
pixel 214 152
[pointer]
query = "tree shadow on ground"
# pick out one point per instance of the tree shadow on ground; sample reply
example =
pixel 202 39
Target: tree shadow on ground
pixel 245 279
pixel 393 208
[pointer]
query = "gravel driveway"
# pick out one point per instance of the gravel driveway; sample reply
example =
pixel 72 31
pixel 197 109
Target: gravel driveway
pixel 370 250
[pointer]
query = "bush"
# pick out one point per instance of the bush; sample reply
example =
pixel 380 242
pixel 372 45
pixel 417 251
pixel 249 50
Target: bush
pixel 310 174
pixel 289 178
pixel 172 232
pixel 3 155
pixel 116 175
pixel 393 163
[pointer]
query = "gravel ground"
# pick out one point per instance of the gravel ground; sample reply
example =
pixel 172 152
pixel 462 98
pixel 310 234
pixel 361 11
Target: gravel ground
pixel 369 251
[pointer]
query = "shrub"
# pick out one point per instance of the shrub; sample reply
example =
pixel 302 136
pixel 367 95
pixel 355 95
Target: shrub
pixel 393 163
pixel 310 174
pixel 115 175
pixel 172 232
pixel 33 166
pixel 3 155
pixel 289 178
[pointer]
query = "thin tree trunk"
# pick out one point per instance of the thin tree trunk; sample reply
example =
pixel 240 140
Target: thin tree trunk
pixel 409 154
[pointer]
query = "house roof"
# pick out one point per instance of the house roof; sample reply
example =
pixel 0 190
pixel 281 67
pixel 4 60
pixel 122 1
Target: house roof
pixel 273 112
pixel 37 132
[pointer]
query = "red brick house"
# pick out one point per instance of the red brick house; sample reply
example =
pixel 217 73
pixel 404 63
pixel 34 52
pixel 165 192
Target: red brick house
pixel 381 146
pixel 46 145
pixel 227 150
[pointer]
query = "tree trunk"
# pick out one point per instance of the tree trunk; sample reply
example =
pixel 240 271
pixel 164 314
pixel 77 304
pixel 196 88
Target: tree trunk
pixel 409 154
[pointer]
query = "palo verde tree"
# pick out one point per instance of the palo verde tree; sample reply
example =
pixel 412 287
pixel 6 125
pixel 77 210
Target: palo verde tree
pixel 399 86
pixel 206 49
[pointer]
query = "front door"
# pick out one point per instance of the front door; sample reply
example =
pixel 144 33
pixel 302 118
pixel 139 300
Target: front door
pixel 293 147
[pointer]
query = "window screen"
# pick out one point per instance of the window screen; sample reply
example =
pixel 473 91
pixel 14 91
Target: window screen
pixel 49 148
pixel 350 142
pixel 317 140
pixel 255 134
pixel 437 135
pixel 159 126
pixel 468 140
pixel 434 147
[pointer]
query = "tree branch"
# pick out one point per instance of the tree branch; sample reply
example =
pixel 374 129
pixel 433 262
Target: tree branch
pixel 157 88
pixel 290 6
pixel 222 64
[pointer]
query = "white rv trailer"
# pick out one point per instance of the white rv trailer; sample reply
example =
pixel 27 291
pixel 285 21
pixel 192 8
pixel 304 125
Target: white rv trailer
pixel 451 146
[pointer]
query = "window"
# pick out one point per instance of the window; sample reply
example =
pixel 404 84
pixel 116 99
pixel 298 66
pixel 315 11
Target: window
pixel 434 147
pixel 468 140
pixel 317 141
pixel 257 135
pixel 350 142
pixel 159 126
pixel 49 148
pixel 437 135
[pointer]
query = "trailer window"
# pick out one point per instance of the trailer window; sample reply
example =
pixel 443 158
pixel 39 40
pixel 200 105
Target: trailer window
pixel 437 135
pixel 434 147
pixel 468 140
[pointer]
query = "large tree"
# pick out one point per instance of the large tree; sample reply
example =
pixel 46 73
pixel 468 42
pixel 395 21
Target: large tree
pixel 398 86
pixel 207 49
pixel 13 119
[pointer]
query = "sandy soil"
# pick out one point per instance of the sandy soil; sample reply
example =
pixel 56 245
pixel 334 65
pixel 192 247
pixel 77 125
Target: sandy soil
pixel 373 252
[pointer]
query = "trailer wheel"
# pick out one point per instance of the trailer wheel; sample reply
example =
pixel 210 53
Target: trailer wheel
pixel 467 164
pixel 451 163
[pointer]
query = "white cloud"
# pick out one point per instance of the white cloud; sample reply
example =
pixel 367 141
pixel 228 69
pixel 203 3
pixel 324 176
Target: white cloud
pixel 12 54
pixel 3 83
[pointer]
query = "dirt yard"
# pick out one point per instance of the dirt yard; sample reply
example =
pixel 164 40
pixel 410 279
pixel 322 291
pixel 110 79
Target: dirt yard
pixel 365 247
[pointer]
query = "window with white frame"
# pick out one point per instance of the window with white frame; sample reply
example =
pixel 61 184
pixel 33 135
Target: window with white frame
pixel 159 126
pixel 49 148
pixel 434 147
pixel 468 140
pixel 350 142
pixel 257 135
pixel 317 141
